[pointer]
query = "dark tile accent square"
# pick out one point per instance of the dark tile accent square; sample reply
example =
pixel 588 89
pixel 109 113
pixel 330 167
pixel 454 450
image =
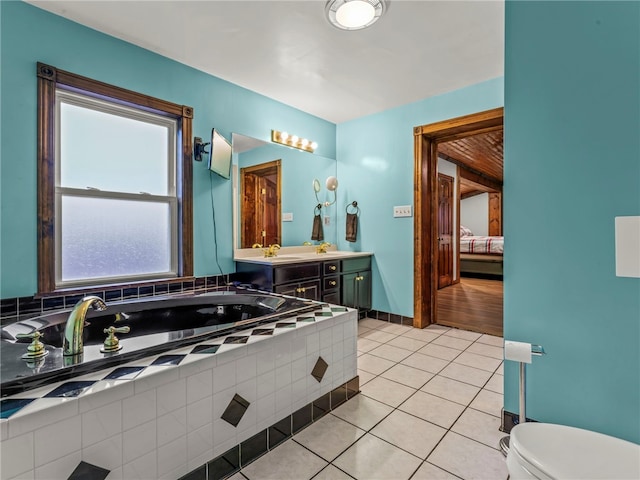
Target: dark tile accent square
pixel 319 369
pixel 29 305
pixel 225 465
pixel 161 289
pixel 407 321
pixel 9 406
pixel 323 314
pixel 306 319
pixel 199 473
pixel 113 295
pixel 52 303
pixel 175 287
pixel 87 471
pixel 362 314
pixel 235 410
pixel 188 286
pixel 70 389
pixel 321 406
pixel 279 432
pixel 200 283
pixel 384 316
pixel 236 339
pixel 338 309
pixel 145 291
pixel 393 318
pixel 301 418
pixel 168 360
pixel 353 387
pixel 252 448
pixel 124 373
pixel 338 396
pixel 71 300
pixel 205 349
pixel 212 282
pixel 262 331
pixel 131 292
pixel 285 325
pixel 9 307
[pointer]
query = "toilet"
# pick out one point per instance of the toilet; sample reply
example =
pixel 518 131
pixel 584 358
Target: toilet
pixel 558 452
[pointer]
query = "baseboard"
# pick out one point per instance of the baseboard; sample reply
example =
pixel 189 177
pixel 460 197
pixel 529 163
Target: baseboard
pixel 510 420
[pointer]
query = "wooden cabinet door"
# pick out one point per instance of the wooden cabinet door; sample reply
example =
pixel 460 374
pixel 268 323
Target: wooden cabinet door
pixel 445 230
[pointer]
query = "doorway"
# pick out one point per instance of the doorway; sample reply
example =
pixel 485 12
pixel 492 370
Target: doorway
pixel 426 188
pixel 260 206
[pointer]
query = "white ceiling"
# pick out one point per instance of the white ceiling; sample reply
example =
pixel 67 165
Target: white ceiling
pixel 287 50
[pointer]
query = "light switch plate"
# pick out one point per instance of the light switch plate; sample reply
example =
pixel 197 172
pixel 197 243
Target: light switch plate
pixel 287 217
pixel 402 211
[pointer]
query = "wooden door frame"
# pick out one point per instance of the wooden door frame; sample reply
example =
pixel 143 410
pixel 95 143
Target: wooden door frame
pixel 425 187
pixel 274 166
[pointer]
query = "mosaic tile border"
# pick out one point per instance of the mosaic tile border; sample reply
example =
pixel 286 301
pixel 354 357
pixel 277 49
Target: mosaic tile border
pixel 246 452
pixel 10 308
pixel 389 317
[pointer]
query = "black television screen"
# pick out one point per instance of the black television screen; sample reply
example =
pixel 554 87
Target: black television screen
pixel 219 155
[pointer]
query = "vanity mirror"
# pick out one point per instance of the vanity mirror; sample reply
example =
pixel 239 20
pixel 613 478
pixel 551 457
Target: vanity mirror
pixel 274 194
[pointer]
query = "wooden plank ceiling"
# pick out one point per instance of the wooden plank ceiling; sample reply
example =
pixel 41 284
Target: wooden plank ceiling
pixel 482 155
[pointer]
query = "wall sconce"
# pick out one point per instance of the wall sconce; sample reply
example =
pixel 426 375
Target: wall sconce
pixel 331 184
pixel 283 138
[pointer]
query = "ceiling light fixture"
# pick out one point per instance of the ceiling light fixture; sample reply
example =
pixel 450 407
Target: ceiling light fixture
pixel 354 14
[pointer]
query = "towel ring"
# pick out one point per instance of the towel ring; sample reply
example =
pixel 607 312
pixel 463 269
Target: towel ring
pixel 355 206
pixel 318 209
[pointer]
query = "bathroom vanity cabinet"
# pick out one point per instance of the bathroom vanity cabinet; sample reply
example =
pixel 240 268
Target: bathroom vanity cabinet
pixel 345 281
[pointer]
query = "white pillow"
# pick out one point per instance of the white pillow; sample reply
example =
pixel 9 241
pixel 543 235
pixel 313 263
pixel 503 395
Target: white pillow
pixel 465 232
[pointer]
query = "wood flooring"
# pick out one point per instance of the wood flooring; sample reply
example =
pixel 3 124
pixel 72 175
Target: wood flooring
pixel 473 304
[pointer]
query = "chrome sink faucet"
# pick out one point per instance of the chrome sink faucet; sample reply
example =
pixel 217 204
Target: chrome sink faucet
pixel 72 344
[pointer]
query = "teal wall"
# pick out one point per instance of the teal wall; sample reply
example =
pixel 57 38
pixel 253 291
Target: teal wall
pixel 29 35
pixel 572 164
pixel 375 168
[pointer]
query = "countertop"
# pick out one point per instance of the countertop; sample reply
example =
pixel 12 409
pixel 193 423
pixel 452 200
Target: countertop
pixel 287 255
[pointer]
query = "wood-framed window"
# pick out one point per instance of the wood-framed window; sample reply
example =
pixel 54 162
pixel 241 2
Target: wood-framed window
pixel 114 185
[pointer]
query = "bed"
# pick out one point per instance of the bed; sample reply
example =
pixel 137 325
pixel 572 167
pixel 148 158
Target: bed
pixel 480 255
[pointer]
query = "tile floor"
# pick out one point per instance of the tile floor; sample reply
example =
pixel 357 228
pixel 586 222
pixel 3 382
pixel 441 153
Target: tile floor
pixel 429 408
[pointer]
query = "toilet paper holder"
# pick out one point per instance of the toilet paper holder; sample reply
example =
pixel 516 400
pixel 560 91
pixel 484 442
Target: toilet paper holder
pixel 519 348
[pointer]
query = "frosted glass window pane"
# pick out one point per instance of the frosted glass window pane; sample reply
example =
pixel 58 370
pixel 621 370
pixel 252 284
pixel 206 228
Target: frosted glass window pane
pixel 112 153
pixel 106 237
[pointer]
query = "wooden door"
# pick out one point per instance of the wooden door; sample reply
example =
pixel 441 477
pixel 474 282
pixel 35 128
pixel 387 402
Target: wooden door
pixel 445 230
pixel 260 208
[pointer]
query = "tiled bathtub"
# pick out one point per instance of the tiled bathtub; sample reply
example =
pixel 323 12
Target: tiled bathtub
pixel 207 408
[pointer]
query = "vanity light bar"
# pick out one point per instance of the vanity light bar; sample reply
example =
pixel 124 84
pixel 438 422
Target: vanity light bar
pixel 284 138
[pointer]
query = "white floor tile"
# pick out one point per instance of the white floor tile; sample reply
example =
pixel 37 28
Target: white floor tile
pixel 412 377
pixel 433 409
pixel 378 336
pixel 469 459
pixel 371 458
pixel 500 369
pixel 407 343
pixel 392 353
pixel 410 433
pixel 396 328
pixel 288 460
pixel 466 374
pixel 362 329
pixel 372 364
pixel 487 350
pixel 425 362
pixel 364 344
pixel 496 384
pixel 332 473
pixel 365 376
pixel 422 335
pixel 478 361
pixel 488 402
pixel 438 351
pixel 452 342
pixel 329 436
pixel 387 391
pixel 491 340
pixel 463 334
pixel 428 471
pixel 438 328
pixel 450 389
pixel 479 426
pixel 363 412
pixel 372 323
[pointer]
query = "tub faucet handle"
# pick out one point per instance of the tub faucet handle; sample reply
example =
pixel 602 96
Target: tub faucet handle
pixel 36 347
pixel 112 344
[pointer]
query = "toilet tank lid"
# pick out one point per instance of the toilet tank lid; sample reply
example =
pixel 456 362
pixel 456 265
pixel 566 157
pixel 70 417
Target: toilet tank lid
pixel 564 452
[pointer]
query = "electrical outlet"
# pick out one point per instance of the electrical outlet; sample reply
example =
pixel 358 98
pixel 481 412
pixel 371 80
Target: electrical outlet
pixel 402 211
pixel 327 220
